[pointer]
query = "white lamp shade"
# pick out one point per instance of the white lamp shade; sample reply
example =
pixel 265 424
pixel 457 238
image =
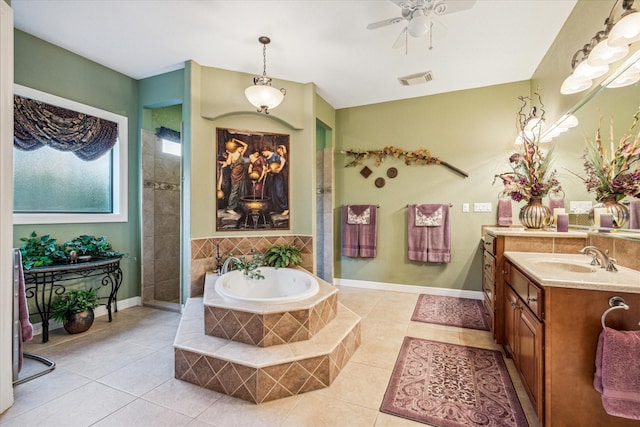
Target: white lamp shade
pixel 626 30
pixel 572 85
pixel 419 26
pixel 627 78
pixel 568 121
pixel 584 71
pixel 603 53
pixel 264 96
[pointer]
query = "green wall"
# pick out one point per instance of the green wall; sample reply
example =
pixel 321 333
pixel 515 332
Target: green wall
pixel 48 68
pixel 472 130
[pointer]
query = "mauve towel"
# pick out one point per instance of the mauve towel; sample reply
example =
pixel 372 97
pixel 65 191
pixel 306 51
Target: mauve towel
pixel 617 374
pixel 634 214
pixel 359 240
pixel 430 244
pixel 505 216
pixel 26 328
pixel 556 202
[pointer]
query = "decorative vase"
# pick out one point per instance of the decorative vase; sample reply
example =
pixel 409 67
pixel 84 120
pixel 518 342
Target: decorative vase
pixel 618 211
pixel 535 215
pixel 79 322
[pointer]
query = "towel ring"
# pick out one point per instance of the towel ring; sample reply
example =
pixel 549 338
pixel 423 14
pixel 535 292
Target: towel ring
pixel 616 303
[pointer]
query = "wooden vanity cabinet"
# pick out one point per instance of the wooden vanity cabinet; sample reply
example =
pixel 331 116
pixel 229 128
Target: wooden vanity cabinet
pixel 489 280
pixel 524 332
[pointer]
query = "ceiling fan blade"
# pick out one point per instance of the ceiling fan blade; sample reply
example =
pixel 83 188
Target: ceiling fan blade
pixel 444 7
pixel 384 23
pixel 401 40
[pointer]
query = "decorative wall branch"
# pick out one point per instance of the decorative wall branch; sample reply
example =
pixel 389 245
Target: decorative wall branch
pixel 420 157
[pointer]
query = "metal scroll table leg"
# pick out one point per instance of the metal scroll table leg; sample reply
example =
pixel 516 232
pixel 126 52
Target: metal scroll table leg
pixel 113 278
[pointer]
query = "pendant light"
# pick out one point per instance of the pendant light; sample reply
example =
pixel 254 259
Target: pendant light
pixel 262 95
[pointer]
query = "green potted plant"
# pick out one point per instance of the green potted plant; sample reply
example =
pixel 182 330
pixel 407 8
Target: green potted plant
pixel 282 255
pixel 75 309
pixel 86 247
pixel 41 251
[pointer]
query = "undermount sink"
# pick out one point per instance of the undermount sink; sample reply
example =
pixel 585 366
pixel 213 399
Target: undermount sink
pixel 566 266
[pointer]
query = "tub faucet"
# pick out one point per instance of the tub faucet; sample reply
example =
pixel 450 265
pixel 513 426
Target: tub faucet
pixel 227 263
pixel 600 257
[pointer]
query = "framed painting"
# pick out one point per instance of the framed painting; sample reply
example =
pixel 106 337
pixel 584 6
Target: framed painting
pixel 252 180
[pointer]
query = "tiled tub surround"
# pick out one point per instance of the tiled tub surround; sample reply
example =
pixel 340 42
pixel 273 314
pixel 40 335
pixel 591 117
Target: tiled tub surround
pixel 264 325
pixel 205 250
pixel 260 374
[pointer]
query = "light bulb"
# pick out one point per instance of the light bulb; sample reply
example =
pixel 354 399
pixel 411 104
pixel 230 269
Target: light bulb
pixel 419 24
pixel 626 30
pixel 572 85
pixel 584 71
pixel 603 53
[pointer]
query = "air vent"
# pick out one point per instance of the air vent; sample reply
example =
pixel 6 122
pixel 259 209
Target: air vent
pixel 416 79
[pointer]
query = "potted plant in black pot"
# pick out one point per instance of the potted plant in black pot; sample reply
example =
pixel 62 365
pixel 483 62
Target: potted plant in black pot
pixel 75 309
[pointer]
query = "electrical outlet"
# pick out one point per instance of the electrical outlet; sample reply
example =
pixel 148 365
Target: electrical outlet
pixel 482 207
pixel 465 207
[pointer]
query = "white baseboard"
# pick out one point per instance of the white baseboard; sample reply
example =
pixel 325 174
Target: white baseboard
pixel 98 312
pixel 412 289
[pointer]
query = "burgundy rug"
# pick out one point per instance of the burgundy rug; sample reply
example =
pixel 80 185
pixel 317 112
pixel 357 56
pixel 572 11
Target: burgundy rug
pixel 451 311
pixel 449 385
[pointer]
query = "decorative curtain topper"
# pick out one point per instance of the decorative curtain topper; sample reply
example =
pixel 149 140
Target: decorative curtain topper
pixel 168 134
pixel 37 124
pixel 420 157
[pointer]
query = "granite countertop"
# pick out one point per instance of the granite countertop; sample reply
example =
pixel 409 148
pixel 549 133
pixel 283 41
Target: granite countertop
pixel 574 271
pixel 524 232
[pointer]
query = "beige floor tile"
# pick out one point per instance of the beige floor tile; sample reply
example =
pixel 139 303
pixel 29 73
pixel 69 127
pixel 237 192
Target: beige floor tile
pixel 229 411
pixel 183 397
pixel 386 420
pixel 383 329
pixel 143 375
pixel 380 352
pixel 142 413
pixel 314 411
pixel 41 390
pixel 477 338
pixel 81 407
pixel 434 332
pixel 359 384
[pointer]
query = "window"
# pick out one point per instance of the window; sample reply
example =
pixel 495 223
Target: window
pixel 170 147
pixel 52 186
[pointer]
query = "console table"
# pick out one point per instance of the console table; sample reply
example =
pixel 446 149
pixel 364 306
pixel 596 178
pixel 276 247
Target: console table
pixel 42 283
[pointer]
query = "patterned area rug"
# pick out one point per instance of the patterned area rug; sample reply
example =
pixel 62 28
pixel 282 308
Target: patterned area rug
pixel 449 385
pixel 451 311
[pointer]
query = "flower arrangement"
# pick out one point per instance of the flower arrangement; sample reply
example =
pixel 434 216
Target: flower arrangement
pixel 613 172
pixel 531 175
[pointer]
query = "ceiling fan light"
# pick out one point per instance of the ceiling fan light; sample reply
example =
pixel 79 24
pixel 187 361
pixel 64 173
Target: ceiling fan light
pixel 584 71
pixel 603 53
pixel 573 85
pixel 626 30
pixel 419 24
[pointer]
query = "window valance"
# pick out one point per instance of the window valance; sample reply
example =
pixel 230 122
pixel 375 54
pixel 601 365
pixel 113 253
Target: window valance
pixel 37 124
pixel 168 134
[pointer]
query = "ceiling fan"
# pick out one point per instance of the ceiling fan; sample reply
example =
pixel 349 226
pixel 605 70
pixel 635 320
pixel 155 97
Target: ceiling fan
pixel 419 17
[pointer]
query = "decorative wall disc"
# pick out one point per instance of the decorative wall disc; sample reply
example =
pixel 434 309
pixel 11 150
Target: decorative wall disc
pixel 392 172
pixel 380 182
pixel 366 172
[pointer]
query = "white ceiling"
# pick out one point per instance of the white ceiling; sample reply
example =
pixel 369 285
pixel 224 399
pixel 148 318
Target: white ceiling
pixel 320 41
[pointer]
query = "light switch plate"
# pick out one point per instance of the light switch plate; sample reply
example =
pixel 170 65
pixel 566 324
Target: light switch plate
pixel 465 207
pixel 482 207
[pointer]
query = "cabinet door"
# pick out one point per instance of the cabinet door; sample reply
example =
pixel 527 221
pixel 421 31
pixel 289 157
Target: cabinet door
pixel 529 356
pixel 510 313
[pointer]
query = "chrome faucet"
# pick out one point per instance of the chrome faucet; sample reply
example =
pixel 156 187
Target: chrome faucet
pixel 227 262
pixel 600 257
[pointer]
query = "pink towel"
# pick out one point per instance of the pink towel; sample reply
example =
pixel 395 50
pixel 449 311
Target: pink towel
pixel 26 328
pixel 617 375
pixel 359 235
pixel 556 202
pixel 634 214
pixel 505 216
pixel 429 243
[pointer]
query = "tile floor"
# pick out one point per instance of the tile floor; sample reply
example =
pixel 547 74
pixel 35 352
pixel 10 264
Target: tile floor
pixel 121 374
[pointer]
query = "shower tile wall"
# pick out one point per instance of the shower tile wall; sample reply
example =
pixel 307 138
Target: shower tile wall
pixel 161 222
pixel 324 213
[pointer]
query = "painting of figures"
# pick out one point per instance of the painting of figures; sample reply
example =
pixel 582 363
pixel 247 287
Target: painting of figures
pixel 252 180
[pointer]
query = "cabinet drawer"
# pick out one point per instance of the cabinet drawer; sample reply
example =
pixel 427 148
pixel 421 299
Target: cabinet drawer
pixel 531 294
pixel 489 265
pixel 519 282
pixel 534 300
pixel 489 243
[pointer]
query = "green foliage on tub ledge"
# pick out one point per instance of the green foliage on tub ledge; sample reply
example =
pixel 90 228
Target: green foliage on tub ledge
pixel 250 268
pixel 280 256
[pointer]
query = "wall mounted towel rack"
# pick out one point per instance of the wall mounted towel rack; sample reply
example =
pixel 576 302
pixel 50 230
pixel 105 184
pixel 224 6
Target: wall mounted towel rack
pixel 615 303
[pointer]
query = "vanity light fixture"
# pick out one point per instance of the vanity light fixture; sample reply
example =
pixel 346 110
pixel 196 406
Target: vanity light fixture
pixel 262 95
pixel 607 46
